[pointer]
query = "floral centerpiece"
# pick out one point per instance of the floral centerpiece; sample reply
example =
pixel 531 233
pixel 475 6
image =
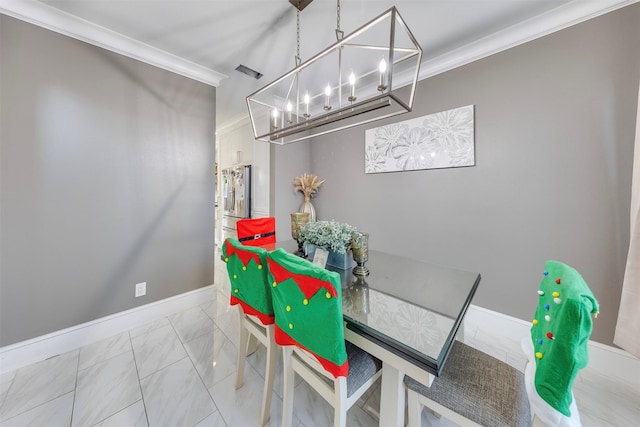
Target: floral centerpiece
pixel 330 235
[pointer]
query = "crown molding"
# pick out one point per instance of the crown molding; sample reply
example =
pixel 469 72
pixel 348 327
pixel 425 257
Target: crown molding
pixel 48 17
pixel 53 19
pixel 562 17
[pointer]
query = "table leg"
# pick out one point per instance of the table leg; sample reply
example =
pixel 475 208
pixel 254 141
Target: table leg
pixel 391 397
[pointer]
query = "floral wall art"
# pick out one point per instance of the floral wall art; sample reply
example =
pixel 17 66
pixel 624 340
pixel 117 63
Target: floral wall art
pixel 440 140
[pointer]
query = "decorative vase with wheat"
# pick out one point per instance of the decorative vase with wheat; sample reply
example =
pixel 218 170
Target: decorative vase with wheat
pixel 308 185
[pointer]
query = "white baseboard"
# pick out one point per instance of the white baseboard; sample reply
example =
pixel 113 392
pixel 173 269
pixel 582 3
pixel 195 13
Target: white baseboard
pixel 24 353
pixel 604 360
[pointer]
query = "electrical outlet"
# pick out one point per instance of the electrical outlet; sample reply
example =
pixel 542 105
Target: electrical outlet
pixel 141 289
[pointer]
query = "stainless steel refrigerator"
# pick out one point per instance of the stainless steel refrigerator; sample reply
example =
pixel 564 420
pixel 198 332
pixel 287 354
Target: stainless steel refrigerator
pixel 236 198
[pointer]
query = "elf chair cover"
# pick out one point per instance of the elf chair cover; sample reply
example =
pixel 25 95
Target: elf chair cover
pixel 247 269
pixel 557 347
pixel 307 303
pixel 256 231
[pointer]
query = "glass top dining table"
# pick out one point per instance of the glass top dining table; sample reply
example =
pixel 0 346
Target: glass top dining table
pixel 407 313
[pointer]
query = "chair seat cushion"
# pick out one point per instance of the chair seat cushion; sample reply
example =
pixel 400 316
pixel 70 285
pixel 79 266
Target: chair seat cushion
pixel 480 388
pixel 362 366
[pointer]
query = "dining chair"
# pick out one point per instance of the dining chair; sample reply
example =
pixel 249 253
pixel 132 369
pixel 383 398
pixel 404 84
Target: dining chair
pixel 477 389
pixel 473 389
pixel 558 345
pixel 256 231
pixel 246 266
pixel 307 303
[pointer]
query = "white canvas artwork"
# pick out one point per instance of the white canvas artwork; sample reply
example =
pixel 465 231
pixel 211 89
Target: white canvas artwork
pixel 440 140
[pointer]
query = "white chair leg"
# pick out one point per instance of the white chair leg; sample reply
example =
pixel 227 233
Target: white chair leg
pixel 269 376
pixel 339 417
pixel 288 380
pixel 414 409
pixel 244 340
pixel 340 407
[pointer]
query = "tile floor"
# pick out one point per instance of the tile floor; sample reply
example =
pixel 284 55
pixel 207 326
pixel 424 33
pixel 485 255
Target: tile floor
pixel 179 371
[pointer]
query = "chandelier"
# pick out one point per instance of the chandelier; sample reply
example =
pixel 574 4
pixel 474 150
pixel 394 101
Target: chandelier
pixel 361 78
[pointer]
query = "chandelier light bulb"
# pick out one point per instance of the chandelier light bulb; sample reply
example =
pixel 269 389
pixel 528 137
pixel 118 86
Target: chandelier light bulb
pixel 327 97
pixel 289 110
pixel 383 70
pixel 352 82
pixel 274 114
pixel 306 105
pixel 383 66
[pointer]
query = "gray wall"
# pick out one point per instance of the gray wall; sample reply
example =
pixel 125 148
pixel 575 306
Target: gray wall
pixel 106 179
pixel 287 162
pixel 554 121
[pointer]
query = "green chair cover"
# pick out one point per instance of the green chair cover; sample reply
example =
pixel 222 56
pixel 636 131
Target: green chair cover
pixel 561 329
pixel 247 270
pixel 307 303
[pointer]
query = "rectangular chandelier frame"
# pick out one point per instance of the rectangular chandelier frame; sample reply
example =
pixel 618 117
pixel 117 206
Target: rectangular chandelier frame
pixel 280 113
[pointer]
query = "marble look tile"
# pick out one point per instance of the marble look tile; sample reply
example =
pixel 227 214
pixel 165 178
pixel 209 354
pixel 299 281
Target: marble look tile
pixel 54 413
pixel 588 419
pixel 229 324
pixel 213 355
pixel 242 407
pixel 210 307
pixel 602 400
pixel 41 382
pixel 148 327
pixel 105 388
pixel 588 381
pixel 191 323
pixel 175 395
pixel 103 350
pixel 156 350
pixel 6 379
pixel 131 416
pixel 313 410
pixel 213 420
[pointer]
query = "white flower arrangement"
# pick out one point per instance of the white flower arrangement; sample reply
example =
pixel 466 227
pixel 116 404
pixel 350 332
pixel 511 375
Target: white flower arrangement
pixel 329 235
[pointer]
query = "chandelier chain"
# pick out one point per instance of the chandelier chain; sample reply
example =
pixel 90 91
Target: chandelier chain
pixel 338 17
pixel 298 34
pixel 298 59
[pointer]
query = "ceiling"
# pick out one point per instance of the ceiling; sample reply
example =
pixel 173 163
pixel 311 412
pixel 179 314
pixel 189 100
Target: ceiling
pixel 261 34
